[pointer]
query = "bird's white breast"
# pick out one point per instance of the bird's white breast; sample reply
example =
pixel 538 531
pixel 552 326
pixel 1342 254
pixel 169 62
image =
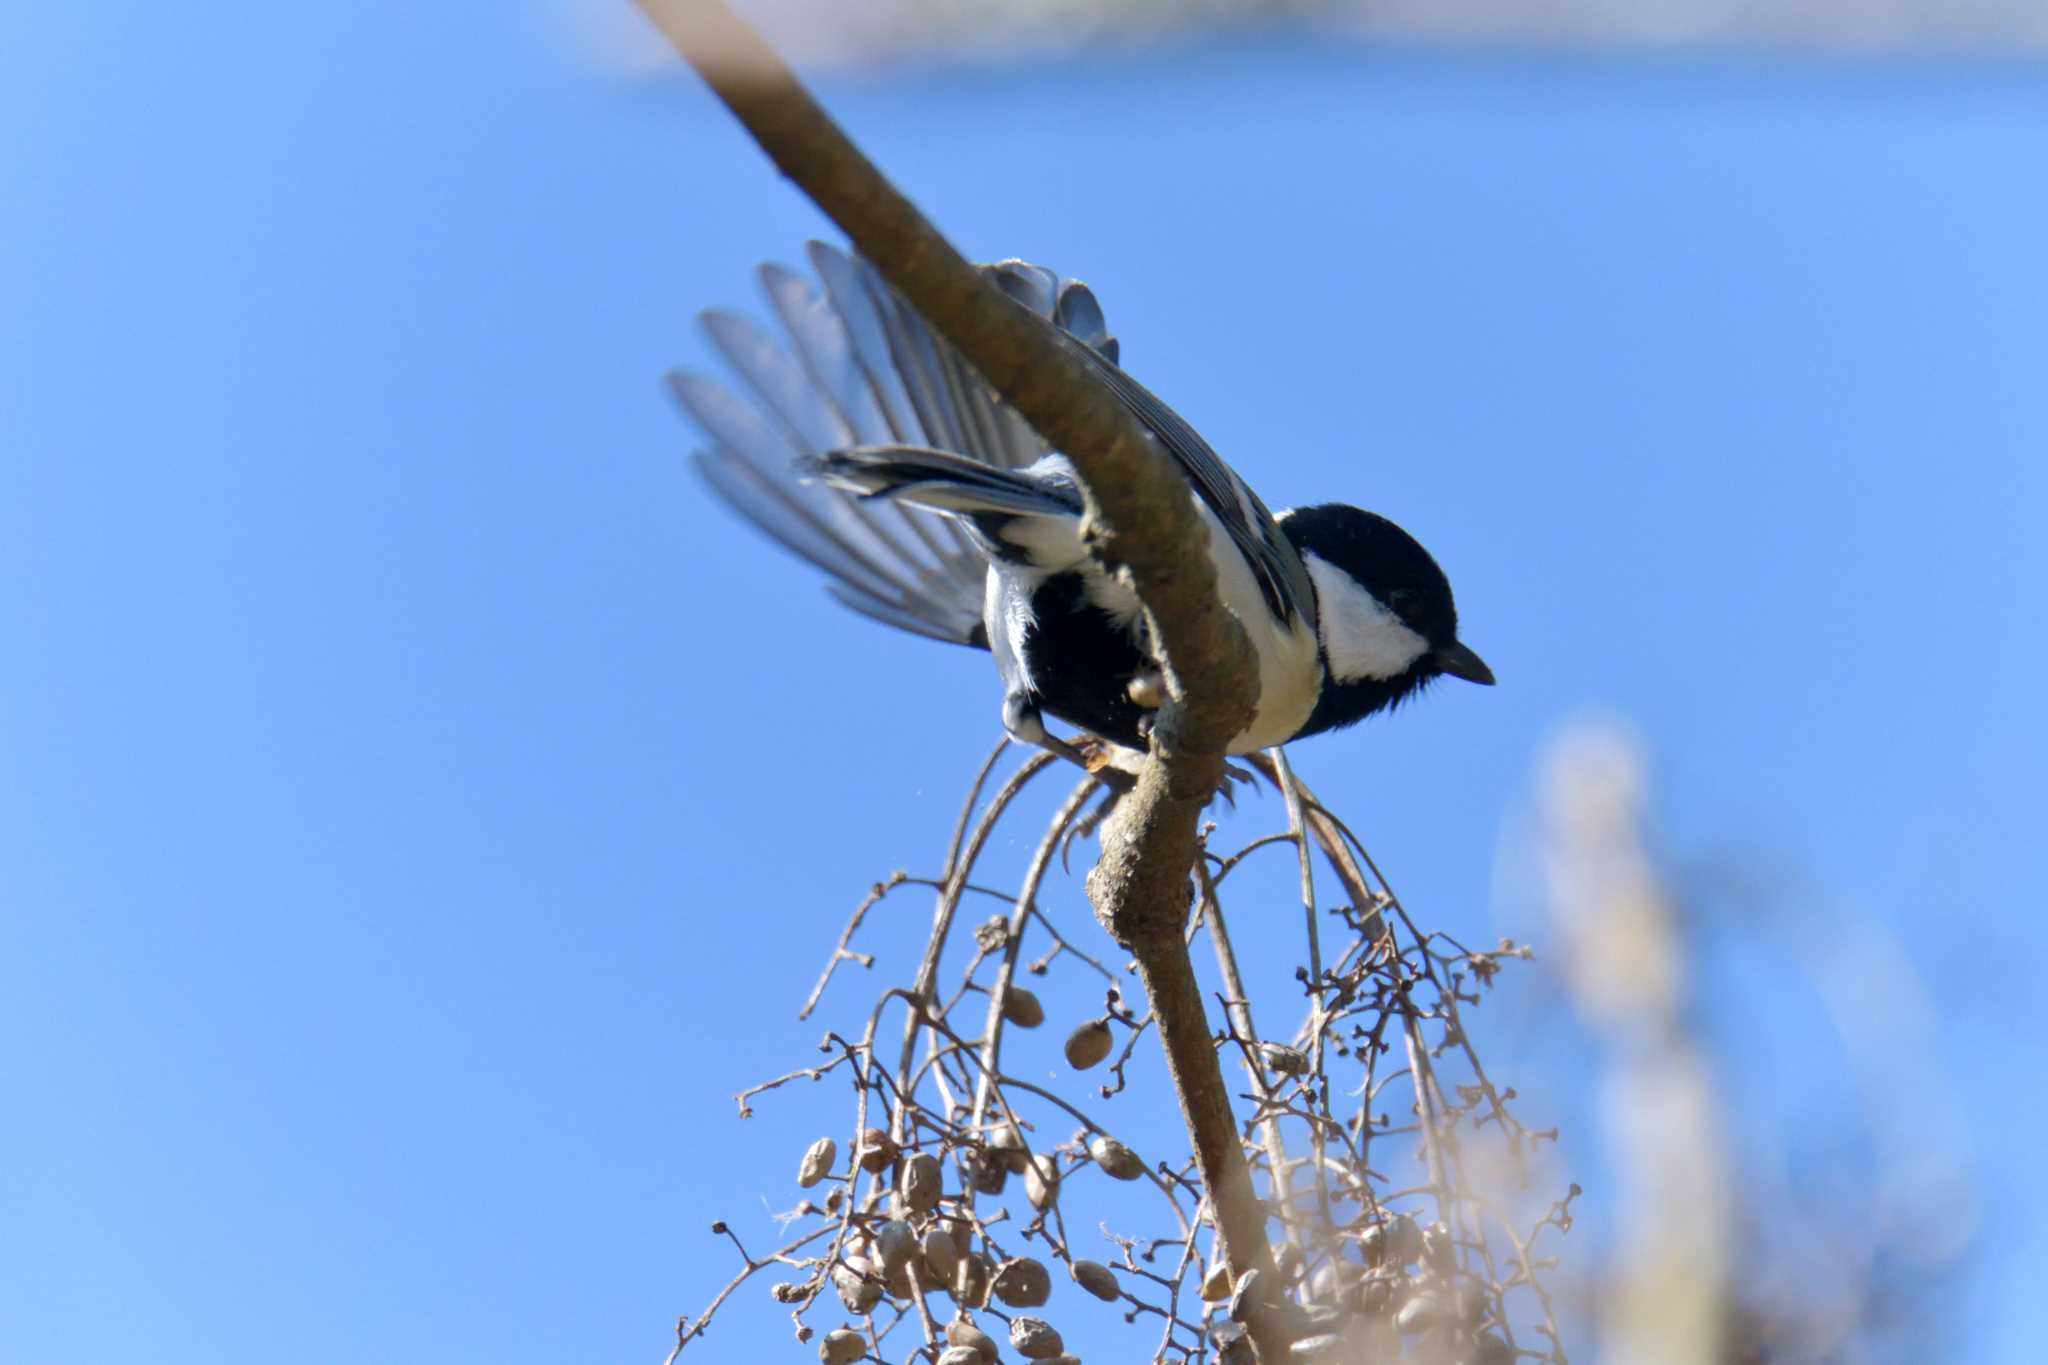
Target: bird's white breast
pixel 1290 667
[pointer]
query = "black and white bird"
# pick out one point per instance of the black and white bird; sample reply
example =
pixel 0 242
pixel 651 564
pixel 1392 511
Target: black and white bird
pixel 868 446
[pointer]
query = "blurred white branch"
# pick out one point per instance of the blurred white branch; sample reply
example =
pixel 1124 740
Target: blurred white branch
pixel 1623 962
pixel 833 32
pixel 1794 1243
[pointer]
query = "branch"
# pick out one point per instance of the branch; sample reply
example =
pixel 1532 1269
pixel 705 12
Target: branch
pixel 1139 512
pixel 1140 518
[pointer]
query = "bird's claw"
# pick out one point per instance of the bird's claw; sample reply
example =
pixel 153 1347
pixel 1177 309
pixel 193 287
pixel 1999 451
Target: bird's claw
pixel 1147 689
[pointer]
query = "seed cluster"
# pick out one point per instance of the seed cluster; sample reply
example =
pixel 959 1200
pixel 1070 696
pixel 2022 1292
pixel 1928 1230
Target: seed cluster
pixel 1391 1170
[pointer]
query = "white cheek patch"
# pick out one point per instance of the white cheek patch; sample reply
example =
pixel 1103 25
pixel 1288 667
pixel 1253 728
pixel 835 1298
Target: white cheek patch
pixel 1361 638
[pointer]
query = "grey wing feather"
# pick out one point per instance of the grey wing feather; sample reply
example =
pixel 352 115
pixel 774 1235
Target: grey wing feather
pixel 875 583
pixel 749 465
pixel 860 368
pixel 877 610
pixel 829 387
pixel 1283 578
pixel 857 368
pixel 844 358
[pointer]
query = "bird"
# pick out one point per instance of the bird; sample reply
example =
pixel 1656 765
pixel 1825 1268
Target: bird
pixel 864 443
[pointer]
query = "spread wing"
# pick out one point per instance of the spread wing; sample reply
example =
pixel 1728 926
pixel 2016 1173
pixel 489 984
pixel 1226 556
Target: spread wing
pixel 1283 578
pixel 856 366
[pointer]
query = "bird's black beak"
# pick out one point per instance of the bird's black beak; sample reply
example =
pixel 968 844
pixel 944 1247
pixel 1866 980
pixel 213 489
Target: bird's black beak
pixel 1460 662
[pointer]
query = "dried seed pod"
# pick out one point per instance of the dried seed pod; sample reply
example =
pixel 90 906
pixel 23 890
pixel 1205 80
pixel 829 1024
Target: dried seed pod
pixel 1469 1301
pixel 1035 1338
pixel 961 1332
pixel 981 1172
pixel 1321 1317
pixel 1404 1240
pixel 1216 1283
pixel 1392 1243
pixel 1116 1159
pixel 919 1186
pixel 1097 1279
pixel 1021 1008
pixel 941 1253
pixel 963 1355
pixel 1491 1350
pixel 1246 1295
pixel 1233 1344
pixel 895 1244
pixel 896 1279
pixel 1089 1044
pixel 1377 1294
pixel 789 1291
pixel 817 1162
pixel 1327 1283
pixel 1438 1249
pixel 1042 1181
pixel 857 1290
pixel 1006 1147
pixel 1372 1243
pixel 877 1150
pixel 1022 1283
pixel 970 1281
pixel 1420 1313
pixel 1283 1060
pixel 842 1347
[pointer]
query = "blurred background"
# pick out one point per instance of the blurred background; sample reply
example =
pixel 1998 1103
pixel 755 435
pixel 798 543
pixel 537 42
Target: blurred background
pixel 401 749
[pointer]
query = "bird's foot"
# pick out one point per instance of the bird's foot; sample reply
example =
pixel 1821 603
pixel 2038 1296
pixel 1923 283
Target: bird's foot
pixel 1233 776
pixel 1147 689
pixel 1021 718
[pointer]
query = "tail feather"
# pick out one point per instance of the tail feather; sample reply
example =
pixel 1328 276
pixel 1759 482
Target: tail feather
pixel 946 482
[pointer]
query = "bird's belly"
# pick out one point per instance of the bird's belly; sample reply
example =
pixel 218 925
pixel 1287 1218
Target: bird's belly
pixel 1078 661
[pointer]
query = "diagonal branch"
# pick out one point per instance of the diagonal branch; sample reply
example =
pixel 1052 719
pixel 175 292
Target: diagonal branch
pixel 1140 514
pixel 1140 518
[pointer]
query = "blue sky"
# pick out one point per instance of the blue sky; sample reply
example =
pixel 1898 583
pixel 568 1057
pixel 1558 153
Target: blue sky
pixel 402 748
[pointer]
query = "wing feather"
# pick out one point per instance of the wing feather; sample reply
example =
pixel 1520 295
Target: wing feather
pixel 857 368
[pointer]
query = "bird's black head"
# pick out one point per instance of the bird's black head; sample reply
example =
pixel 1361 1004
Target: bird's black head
pixel 1384 613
